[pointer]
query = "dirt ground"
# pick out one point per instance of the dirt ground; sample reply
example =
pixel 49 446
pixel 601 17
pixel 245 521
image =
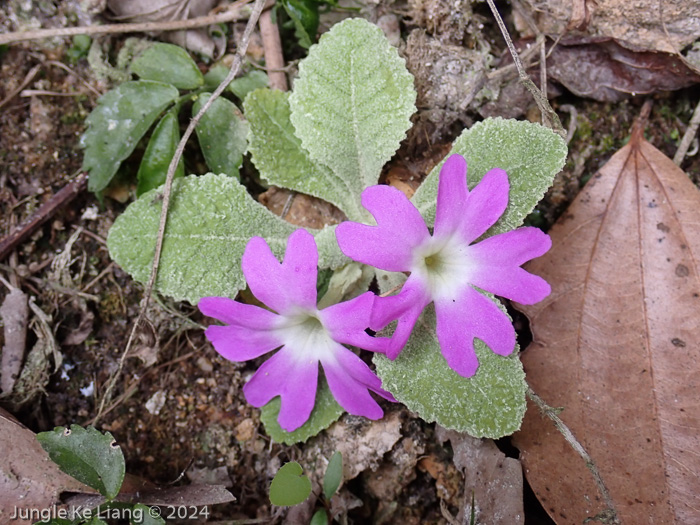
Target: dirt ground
pixel 178 406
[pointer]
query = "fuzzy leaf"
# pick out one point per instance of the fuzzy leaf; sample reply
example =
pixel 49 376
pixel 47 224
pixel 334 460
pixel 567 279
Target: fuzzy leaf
pixel 530 153
pixel 210 221
pixel 159 153
pixel 222 135
pixel 289 486
pixel 88 455
pixel 351 104
pixel 325 413
pixel 170 64
pixel 329 254
pixel 116 125
pixel 489 404
pixel 280 158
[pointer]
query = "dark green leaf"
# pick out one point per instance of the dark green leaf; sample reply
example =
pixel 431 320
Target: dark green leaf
pixel 222 135
pixel 240 86
pixel 159 153
pixel 289 486
pixel 116 125
pixel 326 412
pixel 319 518
pixel 170 64
pixel 144 515
pixel 304 14
pixel 333 476
pixel 88 455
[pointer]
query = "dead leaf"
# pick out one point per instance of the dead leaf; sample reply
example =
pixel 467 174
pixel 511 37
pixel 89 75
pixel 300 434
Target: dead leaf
pixel 653 25
pixel 494 481
pixel 605 71
pixel 300 209
pixel 15 317
pixel 28 478
pixel 617 346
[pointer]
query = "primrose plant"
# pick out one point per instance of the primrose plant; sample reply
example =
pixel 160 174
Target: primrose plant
pixel 442 344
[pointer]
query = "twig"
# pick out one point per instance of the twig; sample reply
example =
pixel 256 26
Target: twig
pixel 236 11
pixel 27 79
pixel 688 137
pixel 574 443
pixel 167 188
pixel 44 213
pixel 549 117
pixel 272 45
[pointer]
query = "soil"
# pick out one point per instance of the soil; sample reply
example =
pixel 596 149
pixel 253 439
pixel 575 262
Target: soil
pixel 177 407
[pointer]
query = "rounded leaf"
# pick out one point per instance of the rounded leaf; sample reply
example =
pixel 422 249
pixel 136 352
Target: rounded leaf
pixel 170 64
pixel 289 486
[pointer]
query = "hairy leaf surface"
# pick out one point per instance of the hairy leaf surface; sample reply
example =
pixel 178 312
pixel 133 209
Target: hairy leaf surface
pixel 351 104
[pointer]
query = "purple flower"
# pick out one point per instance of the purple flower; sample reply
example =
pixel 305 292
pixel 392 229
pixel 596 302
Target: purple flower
pixel 446 268
pixel 303 334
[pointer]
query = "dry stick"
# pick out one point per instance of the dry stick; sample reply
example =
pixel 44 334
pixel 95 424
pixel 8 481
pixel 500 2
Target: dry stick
pixel 235 66
pixel 27 79
pixel 44 213
pixel 548 115
pixel 236 11
pixel 551 413
pixel 688 137
pixel 272 45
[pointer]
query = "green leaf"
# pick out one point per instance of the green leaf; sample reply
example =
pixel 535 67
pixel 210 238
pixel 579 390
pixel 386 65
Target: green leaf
pixel 280 158
pixel 530 153
pixel 347 283
pixel 170 64
pixel 326 412
pixel 329 254
pixel 240 86
pixel 289 486
pixel 304 15
pixel 352 104
pixel 145 515
pixel 222 135
pixel 490 404
pixel 333 476
pixel 159 153
pixel 116 125
pixel 319 518
pixel 210 221
pixel 88 455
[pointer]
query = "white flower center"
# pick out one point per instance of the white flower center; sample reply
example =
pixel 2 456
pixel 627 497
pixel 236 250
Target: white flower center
pixel 444 265
pixel 303 332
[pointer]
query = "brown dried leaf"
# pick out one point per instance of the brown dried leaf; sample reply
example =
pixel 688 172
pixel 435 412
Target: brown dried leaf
pixel 617 346
pixel 28 478
pixel 15 317
pixel 300 209
pixel 605 71
pixel 493 480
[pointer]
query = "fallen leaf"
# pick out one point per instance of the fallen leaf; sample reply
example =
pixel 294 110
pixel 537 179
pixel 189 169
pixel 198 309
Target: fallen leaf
pixel 605 71
pixel 28 478
pixel 617 346
pixel 494 481
pixel 15 317
pixel 654 25
pixel 300 209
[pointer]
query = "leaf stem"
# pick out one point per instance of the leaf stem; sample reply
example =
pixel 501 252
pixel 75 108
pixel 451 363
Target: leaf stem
pixel 610 515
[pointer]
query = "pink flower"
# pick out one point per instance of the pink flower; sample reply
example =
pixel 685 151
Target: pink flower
pixel 304 335
pixel 446 268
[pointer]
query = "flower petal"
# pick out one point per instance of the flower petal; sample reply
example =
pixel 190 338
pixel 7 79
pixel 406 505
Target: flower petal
pixel 240 343
pixel 346 323
pixel 293 380
pixel 484 205
pixel 497 260
pixel 350 380
pixel 389 245
pixel 459 320
pixel 287 285
pixel 232 312
pixel 452 194
pixel 406 306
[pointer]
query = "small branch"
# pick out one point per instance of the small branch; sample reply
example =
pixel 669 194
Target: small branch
pixel 44 213
pixel 236 11
pixel 549 116
pixel 27 79
pixel 167 189
pixel 688 137
pixel 272 45
pixel 571 440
